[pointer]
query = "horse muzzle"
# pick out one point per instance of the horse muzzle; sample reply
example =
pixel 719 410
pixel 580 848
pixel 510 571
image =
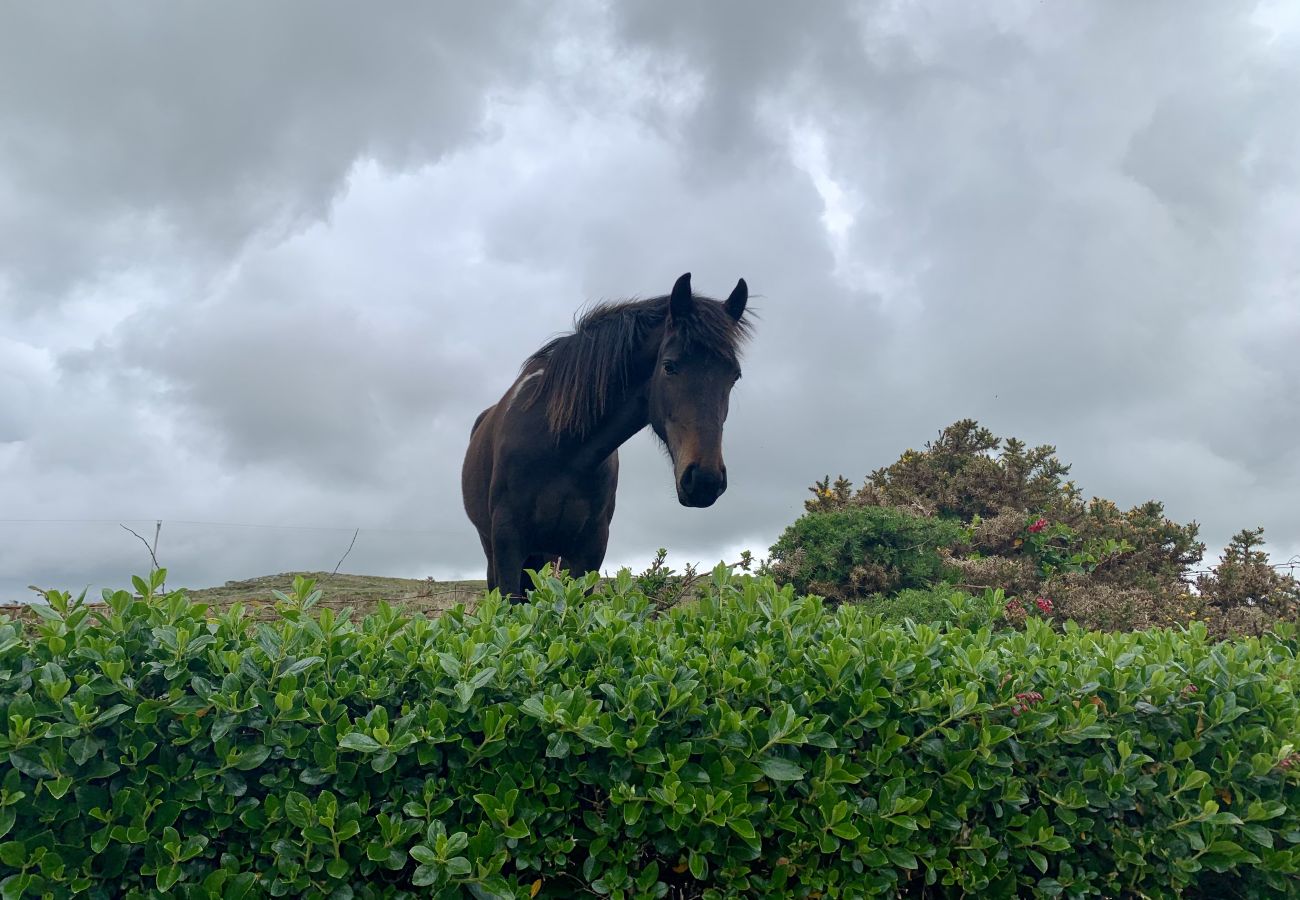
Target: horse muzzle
pixel 700 487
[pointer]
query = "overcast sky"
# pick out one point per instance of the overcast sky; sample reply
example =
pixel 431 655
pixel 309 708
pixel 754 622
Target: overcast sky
pixel 262 264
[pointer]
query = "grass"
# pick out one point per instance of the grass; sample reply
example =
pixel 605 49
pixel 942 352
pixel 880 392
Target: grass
pixel 360 593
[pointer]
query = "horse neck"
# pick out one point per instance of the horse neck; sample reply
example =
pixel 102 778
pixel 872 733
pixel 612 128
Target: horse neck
pixel 627 411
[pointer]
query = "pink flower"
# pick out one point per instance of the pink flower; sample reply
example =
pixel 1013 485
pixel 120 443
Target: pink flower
pixel 1044 605
pixel 1027 699
pixel 1038 526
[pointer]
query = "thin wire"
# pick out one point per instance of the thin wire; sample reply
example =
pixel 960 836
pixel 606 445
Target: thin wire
pixel 220 525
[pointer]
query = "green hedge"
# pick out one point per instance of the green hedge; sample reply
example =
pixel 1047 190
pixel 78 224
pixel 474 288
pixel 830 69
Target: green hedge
pixel 751 745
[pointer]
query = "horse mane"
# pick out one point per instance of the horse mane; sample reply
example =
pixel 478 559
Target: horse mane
pixel 585 367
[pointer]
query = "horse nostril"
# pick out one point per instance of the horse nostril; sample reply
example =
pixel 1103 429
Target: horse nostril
pixel 688 477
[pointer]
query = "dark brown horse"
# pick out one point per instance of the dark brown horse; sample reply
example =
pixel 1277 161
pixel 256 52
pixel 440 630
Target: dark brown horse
pixel 542 465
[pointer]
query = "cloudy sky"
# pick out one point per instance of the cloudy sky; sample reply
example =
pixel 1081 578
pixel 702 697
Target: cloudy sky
pixel 262 264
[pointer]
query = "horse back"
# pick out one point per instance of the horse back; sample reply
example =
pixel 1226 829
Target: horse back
pixel 479 420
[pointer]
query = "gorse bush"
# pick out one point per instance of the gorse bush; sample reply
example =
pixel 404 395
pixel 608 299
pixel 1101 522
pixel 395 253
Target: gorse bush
pixel 665 587
pixel 1029 532
pixel 968 472
pixel 862 550
pixel 752 744
pixel 1245 587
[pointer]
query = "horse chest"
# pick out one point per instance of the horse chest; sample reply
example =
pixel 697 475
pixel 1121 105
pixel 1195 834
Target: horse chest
pixel 565 508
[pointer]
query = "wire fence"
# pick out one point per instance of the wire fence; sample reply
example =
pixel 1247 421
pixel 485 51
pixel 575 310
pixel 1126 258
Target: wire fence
pixel 1289 566
pixel 283 527
pixel 185 548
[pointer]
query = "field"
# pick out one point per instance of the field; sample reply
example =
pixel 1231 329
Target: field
pixel 360 593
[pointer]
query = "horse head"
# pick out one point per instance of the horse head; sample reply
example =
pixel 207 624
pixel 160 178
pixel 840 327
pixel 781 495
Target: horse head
pixel 690 388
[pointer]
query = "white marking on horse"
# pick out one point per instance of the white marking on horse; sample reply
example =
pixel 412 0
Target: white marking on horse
pixel 519 386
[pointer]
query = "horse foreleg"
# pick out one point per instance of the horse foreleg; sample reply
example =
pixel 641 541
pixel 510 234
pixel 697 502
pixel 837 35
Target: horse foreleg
pixel 588 556
pixel 507 562
pixel 486 541
pixel 537 560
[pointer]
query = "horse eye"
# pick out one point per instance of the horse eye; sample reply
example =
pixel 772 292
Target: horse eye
pixel 670 368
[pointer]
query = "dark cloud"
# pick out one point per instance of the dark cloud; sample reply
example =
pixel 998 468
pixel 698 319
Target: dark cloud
pixel 182 128
pixel 264 265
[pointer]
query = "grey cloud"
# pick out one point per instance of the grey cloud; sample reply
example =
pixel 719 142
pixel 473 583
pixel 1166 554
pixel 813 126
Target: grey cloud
pixel 341 248
pixel 742 55
pixel 192 128
pixel 1070 213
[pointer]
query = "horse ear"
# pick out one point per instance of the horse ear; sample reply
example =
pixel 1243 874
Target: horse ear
pixel 736 302
pixel 682 303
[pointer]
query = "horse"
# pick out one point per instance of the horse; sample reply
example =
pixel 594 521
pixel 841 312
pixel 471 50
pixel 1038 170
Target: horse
pixel 541 468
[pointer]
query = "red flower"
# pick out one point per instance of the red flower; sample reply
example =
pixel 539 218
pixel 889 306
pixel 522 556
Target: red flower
pixel 1044 605
pixel 1027 699
pixel 1038 526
